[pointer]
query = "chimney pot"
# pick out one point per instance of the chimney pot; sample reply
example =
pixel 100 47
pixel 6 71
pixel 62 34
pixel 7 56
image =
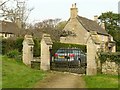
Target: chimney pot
pixel 74 11
pixel 96 18
pixel 103 25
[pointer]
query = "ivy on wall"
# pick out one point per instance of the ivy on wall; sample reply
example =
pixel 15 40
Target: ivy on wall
pixel 109 56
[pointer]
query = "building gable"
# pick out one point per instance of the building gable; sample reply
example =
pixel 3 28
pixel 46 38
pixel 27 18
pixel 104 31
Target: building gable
pixel 91 25
pixel 79 32
pixel 82 27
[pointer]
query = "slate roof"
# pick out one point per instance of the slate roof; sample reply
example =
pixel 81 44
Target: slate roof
pixel 91 25
pixel 8 27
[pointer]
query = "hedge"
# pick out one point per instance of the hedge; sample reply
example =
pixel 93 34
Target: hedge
pixel 8 45
pixel 37 48
pixel 57 45
pixel 118 46
pixel 16 44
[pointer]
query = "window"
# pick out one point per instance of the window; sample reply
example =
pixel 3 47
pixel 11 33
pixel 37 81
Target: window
pixel 5 34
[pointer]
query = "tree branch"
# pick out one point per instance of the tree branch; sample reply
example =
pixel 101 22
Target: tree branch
pixel 4 3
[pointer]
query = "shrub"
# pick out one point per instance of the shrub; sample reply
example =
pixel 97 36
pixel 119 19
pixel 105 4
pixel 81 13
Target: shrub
pixel 118 46
pixel 7 45
pixel 14 54
pixel 11 44
pixel 36 52
pixel 18 44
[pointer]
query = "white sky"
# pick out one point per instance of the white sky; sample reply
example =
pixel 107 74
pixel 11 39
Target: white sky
pixel 50 9
pixel 46 9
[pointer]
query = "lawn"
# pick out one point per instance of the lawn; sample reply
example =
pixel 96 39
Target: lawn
pixel 17 75
pixel 101 81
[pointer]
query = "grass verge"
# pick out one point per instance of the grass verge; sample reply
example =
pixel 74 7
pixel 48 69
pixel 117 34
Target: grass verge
pixel 16 75
pixel 101 81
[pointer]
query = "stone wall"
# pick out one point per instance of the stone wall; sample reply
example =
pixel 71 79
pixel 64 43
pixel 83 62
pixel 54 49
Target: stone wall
pixel 81 34
pixel 110 68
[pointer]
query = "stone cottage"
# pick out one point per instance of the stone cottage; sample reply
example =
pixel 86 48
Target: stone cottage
pixel 8 29
pixel 82 29
pixel 88 32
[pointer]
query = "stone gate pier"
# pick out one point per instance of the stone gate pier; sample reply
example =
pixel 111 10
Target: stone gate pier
pixel 46 45
pixel 28 45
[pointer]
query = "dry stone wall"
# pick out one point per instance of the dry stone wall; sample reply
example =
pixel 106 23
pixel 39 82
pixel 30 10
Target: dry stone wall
pixel 110 68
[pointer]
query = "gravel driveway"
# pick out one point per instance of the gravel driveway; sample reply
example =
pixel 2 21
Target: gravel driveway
pixel 61 80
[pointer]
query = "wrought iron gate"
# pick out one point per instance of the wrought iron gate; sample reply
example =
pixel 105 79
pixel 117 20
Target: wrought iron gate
pixel 69 60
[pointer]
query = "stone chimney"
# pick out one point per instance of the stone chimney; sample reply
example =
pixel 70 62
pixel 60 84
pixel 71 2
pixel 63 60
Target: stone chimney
pixel 103 25
pixel 18 22
pixel 73 11
pixel 96 18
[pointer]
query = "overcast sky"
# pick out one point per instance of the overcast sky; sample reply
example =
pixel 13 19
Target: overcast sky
pixel 50 9
pixel 46 9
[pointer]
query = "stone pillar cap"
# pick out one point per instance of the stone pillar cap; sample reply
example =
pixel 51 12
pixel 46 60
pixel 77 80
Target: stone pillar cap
pixel 46 35
pixel 28 39
pixel 28 36
pixel 47 39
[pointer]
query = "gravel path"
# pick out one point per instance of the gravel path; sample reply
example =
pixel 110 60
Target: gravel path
pixel 61 80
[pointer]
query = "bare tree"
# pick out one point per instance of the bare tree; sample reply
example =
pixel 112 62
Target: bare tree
pixel 48 23
pixel 2 3
pixel 18 13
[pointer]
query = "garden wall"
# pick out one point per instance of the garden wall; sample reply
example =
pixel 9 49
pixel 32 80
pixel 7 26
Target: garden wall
pixel 110 68
pixel 110 62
